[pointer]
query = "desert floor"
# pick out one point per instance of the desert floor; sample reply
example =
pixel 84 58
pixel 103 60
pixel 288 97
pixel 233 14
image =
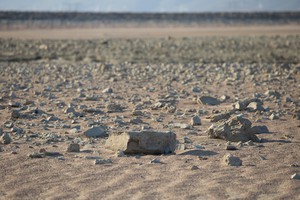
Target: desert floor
pixel 45 72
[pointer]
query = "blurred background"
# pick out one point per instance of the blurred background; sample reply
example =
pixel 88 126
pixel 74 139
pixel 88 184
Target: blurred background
pixel 151 6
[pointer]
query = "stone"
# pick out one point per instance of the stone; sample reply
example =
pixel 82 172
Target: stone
pixel 219 116
pixel 196 89
pixel 260 129
pixel 146 142
pixel 231 160
pixel 296 176
pixel 70 110
pixel 207 100
pixel 73 147
pixel 194 167
pixel 196 121
pixel 235 129
pixel 242 104
pixel 107 90
pixel 273 117
pixel 103 161
pixel 120 153
pixel 230 147
pixel 97 131
pixel 155 161
pixel 255 106
pixel 36 155
pixel 15 114
pixel 5 138
pixel 113 107
pixel 52 118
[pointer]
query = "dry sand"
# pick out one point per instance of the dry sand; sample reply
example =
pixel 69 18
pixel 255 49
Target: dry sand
pixel 267 166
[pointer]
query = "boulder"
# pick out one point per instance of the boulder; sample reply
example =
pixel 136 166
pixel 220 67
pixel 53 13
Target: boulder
pixel 236 129
pixel 97 131
pixel 145 142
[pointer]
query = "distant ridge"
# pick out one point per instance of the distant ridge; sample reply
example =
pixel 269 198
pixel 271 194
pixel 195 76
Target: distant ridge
pixel 57 19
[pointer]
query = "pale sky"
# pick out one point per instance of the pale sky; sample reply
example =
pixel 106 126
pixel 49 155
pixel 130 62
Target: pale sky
pixel 150 5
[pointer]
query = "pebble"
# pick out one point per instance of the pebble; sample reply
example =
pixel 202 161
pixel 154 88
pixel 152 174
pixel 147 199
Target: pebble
pixel 207 100
pixel 230 148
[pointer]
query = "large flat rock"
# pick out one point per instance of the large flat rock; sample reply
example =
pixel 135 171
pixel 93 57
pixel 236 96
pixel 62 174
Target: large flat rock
pixel 146 142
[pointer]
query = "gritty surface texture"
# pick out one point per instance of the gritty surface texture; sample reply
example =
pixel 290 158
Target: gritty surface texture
pixel 48 102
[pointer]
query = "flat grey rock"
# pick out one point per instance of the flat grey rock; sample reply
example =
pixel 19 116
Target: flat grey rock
pixel 207 100
pixel 97 131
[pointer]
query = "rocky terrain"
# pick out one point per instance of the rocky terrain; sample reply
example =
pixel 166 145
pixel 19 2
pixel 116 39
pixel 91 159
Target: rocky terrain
pixel 221 116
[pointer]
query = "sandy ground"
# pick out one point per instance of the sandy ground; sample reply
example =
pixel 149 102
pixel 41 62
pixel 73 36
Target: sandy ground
pixel 150 32
pixel 187 174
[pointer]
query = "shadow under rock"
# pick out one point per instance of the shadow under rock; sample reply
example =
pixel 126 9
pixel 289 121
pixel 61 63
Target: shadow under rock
pixel 199 153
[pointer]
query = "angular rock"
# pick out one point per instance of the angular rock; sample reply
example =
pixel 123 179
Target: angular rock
pixel 15 114
pixel 97 131
pixel 5 138
pixel 242 104
pixel 112 107
pixel 235 129
pixel 295 176
pixel 207 100
pixel 146 142
pixel 231 160
pixel 73 147
pixel 196 121
pixel 255 106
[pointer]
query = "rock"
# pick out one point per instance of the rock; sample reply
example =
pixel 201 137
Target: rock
pixel 97 131
pixel 136 121
pixel 260 129
pixel 231 160
pixel 36 155
pixel 273 117
pixel 207 100
pixel 107 90
pixel 242 104
pixel 73 147
pixel 120 153
pixel 5 138
pixel 155 161
pixel 146 142
pixel 195 121
pixel 196 89
pixel 295 176
pixel 272 93
pixel 52 118
pixel 70 110
pixel 113 107
pixel 187 140
pixel 15 114
pixel 194 167
pixel 230 147
pixel 255 106
pixel 235 129
pixel 103 161
pixel 220 116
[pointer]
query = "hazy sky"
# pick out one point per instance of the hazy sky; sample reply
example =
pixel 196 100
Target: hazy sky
pixel 151 5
